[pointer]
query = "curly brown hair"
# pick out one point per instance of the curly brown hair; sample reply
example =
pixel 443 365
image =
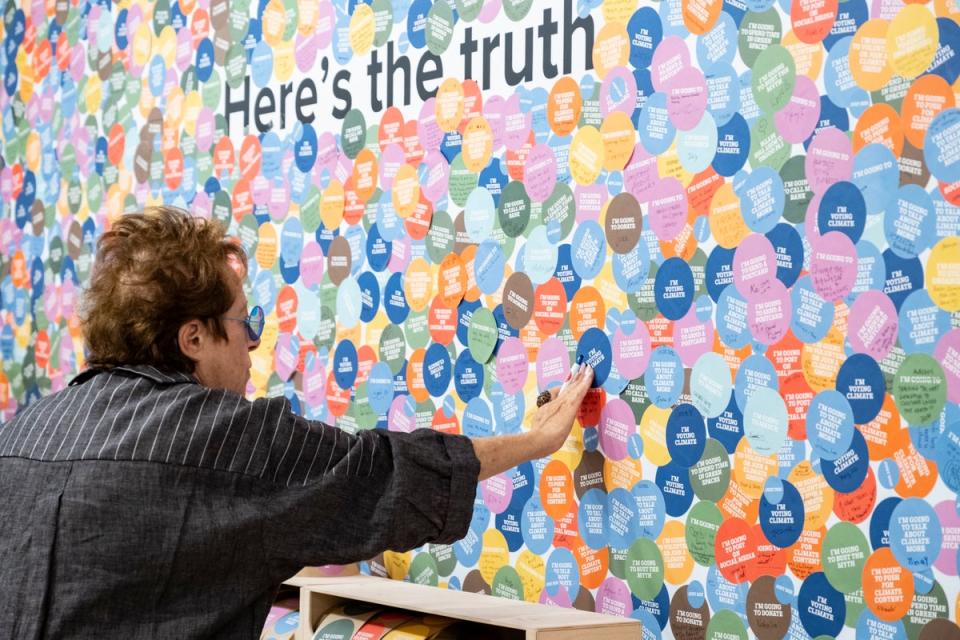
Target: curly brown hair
pixel 154 271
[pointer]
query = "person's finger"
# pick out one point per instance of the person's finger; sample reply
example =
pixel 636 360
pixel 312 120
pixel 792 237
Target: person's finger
pixel 568 382
pixel 586 379
pixel 584 371
pixel 575 393
pixel 573 381
pixel 575 389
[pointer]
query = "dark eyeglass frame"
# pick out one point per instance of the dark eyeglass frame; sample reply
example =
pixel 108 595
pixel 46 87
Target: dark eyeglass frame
pixel 253 322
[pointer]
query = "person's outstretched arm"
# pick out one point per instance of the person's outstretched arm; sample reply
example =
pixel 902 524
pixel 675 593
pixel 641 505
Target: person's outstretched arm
pixel 330 497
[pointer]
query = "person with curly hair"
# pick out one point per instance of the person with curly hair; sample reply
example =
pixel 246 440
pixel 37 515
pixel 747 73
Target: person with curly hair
pixel 151 499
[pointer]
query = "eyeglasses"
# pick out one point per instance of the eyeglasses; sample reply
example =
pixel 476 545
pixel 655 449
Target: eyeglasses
pixel 253 323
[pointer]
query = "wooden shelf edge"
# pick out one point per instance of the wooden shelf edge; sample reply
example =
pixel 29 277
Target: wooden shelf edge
pixel 532 618
pixel 308 575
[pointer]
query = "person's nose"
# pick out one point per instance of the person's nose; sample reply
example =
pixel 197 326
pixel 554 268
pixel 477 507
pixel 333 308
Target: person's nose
pixel 252 344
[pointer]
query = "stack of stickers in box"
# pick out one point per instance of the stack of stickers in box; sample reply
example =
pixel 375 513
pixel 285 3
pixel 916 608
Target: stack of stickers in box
pixel 282 621
pixel 361 621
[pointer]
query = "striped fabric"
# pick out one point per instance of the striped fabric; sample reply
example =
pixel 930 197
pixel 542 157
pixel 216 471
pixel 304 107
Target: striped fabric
pixel 119 415
pixel 233 495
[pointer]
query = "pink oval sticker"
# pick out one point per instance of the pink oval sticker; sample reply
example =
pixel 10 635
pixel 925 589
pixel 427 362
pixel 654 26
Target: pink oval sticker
pixel 512 365
pixel 754 267
pixel 686 98
pixel 872 325
pixel 616 425
pixel 540 172
pixel 797 120
pixel 640 174
pixel 769 316
pixel 631 353
pixel 829 159
pixel 553 363
pixel 497 491
pixel 668 209
pixel 833 265
pixel 692 337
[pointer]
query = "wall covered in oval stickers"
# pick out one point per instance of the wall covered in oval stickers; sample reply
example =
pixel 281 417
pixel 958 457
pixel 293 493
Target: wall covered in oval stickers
pixel 744 214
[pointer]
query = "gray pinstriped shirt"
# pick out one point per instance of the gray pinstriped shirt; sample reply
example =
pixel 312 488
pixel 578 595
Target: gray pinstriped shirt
pixel 142 505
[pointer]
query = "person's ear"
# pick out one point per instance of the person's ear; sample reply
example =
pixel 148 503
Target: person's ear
pixel 191 338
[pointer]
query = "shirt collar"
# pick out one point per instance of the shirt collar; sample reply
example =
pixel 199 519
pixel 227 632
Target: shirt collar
pixel 143 370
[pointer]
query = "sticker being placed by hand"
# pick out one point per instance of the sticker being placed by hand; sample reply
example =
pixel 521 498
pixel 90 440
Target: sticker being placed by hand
pixel 594 350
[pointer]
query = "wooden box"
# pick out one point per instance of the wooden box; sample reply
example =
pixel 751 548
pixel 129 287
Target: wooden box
pixel 526 620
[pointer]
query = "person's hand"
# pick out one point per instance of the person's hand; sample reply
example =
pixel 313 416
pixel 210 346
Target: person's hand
pixel 550 427
pixel 552 422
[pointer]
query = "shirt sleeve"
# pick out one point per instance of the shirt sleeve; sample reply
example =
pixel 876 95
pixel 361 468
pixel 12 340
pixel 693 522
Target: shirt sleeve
pixel 336 498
